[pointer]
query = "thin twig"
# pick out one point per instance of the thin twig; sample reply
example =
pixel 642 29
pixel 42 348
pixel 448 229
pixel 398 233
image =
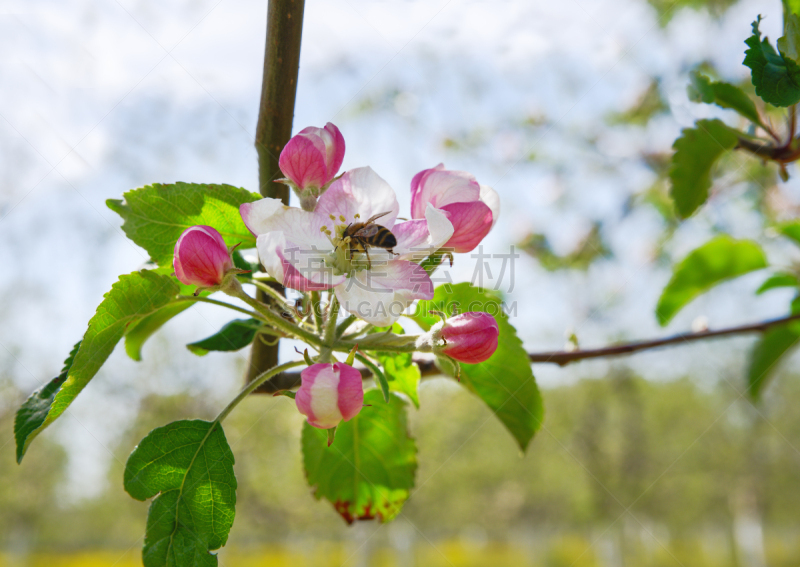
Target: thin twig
pixel 427 367
pixel 201 299
pixel 565 357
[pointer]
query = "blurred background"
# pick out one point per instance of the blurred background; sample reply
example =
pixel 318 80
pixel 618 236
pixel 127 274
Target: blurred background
pixel 568 109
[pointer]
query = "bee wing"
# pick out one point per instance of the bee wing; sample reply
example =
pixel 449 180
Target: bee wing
pixel 368 231
pixel 373 218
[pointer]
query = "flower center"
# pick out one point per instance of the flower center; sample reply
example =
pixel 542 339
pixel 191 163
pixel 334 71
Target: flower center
pixel 349 252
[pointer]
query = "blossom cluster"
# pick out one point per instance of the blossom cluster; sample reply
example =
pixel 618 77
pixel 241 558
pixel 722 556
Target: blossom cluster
pixel 346 238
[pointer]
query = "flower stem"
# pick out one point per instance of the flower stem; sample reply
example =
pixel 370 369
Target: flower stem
pixel 274 319
pixel 255 383
pixel 274 294
pixel 344 325
pixel 220 303
pixel 347 346
pixel 330 331
pixel 315 307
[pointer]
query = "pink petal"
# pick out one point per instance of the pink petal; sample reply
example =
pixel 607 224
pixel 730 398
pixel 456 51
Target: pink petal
pixel 303 161
pixel 440 187
pixel 335 153
pixel 351 391
pixel 412 238
pixel 201 257
pixel 359 191
pixel 471 337
pixel 418 197
pixel 318 395
pixel 418 238
pixel 471 223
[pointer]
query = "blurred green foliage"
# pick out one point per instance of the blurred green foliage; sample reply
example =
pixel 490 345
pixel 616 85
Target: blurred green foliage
pixel 650 103
pixel 666 9
pixel 590 248
pixel 649 470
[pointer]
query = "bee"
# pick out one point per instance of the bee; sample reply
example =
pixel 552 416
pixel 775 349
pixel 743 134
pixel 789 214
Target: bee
pixel 364 234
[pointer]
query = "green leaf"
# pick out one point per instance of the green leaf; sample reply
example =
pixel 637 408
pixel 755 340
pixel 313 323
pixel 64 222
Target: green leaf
pixel 696 152
pixel 369 469
pixel 790 42
pixel 776 78
pixel 719 259
pixel 726 95
pixel 403 374
pixel 768 352
pixel 34 410
pixel 156 215
pixel 189 465
pixel 233 336
pixel 790 230
pixel 131 299
pixel 139 332
pixel 505 382
pixel 380 377
pixel 781 279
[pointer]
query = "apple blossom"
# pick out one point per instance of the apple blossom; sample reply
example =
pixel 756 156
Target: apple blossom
pixel 468 337
pixel 201 257
pixel 310 161
pixel 329 394
pixel 308 251
pixel 471 208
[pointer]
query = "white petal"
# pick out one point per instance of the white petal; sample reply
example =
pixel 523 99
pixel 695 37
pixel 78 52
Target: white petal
pixel 359 191
pixel 408 280
pixel 380 295
pixel 419 238
pixel 492 200
pixel 439 227
pixel 361 297
pixel 257 213
pixel 270 248
pixel 286 262
pixel 299 226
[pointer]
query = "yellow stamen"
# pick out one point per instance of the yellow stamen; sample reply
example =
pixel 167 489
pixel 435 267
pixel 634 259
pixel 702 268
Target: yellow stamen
pixel 357 216
pixel 341 218
pixel 333 217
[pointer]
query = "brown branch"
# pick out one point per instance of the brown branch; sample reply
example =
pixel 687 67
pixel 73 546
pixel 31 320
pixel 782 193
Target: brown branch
pixel 274 128
pixel 562 358
pixel 781 154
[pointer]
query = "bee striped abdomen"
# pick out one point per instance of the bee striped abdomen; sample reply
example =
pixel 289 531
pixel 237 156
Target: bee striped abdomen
pixel 376 235
pixel 384 239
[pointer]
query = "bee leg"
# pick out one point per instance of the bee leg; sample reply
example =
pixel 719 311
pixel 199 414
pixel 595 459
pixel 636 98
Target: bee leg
pixel 369 262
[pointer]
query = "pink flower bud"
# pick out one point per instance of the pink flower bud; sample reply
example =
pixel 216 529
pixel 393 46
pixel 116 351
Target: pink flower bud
pixel 201 257
pixel 329 394
pixel 471 208
pixel 469 337
pixel 313 157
